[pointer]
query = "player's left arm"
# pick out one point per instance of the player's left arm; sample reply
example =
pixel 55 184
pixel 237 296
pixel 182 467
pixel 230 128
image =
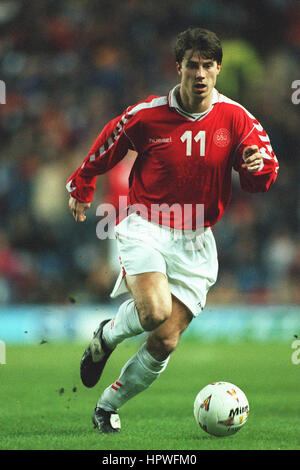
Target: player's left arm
pixel 255 159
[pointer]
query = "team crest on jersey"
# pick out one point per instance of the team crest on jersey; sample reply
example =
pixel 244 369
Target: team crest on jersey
pixel 222 137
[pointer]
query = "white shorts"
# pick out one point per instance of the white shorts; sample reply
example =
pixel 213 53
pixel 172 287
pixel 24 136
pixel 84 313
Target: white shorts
pixel 187 258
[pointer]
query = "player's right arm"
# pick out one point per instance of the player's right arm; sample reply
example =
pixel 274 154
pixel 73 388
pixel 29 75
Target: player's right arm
pixel 109 148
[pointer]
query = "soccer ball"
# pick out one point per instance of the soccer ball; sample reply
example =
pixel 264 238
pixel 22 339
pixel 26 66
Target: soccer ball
pixel 221 409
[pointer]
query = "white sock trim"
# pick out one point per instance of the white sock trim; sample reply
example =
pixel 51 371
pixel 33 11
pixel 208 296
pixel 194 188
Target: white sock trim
pixel 137 375
pixel 125 325
pixel 148 361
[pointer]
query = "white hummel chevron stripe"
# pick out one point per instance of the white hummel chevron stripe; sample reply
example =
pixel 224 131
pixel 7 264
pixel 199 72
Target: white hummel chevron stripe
pixel 259 127
pixel 264 154
pixel 264 138
pixel 69 187
pixel 160 101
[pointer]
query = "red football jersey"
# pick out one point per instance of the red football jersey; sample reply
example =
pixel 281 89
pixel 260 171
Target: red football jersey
pixel 183 159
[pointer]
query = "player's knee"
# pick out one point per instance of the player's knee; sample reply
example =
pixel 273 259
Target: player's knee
pixel 154 313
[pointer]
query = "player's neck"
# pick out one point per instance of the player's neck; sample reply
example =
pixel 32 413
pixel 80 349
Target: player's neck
pixel 192 105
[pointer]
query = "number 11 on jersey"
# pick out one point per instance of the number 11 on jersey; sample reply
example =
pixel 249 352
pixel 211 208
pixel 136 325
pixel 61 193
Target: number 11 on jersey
pixel 187 137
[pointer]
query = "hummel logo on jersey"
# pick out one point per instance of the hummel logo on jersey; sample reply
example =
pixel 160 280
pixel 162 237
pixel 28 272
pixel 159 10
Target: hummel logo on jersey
pixel 160 140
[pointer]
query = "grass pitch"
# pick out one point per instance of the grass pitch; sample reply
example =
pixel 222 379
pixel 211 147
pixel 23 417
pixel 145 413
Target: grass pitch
pixel 44 405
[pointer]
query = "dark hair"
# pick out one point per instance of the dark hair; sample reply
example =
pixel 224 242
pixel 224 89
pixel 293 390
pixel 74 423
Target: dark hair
pixel 199 39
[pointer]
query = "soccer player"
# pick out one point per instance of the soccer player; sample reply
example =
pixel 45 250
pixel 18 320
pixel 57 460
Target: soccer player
pixel 187 145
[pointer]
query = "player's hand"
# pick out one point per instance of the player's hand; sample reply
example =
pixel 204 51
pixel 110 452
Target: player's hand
pixel 78 209
pixel 253 159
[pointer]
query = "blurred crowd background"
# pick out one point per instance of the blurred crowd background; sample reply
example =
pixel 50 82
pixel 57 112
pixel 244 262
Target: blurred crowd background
pixel 72 65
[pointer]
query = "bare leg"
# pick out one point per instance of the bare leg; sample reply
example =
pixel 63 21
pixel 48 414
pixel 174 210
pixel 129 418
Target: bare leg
pixel 164 339
pixel 153 299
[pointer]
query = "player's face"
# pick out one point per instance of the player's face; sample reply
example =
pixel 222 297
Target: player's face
pixel 198 76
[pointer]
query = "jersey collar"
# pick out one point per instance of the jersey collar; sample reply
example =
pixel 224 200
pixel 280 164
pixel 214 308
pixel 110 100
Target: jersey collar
pixel 173 103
